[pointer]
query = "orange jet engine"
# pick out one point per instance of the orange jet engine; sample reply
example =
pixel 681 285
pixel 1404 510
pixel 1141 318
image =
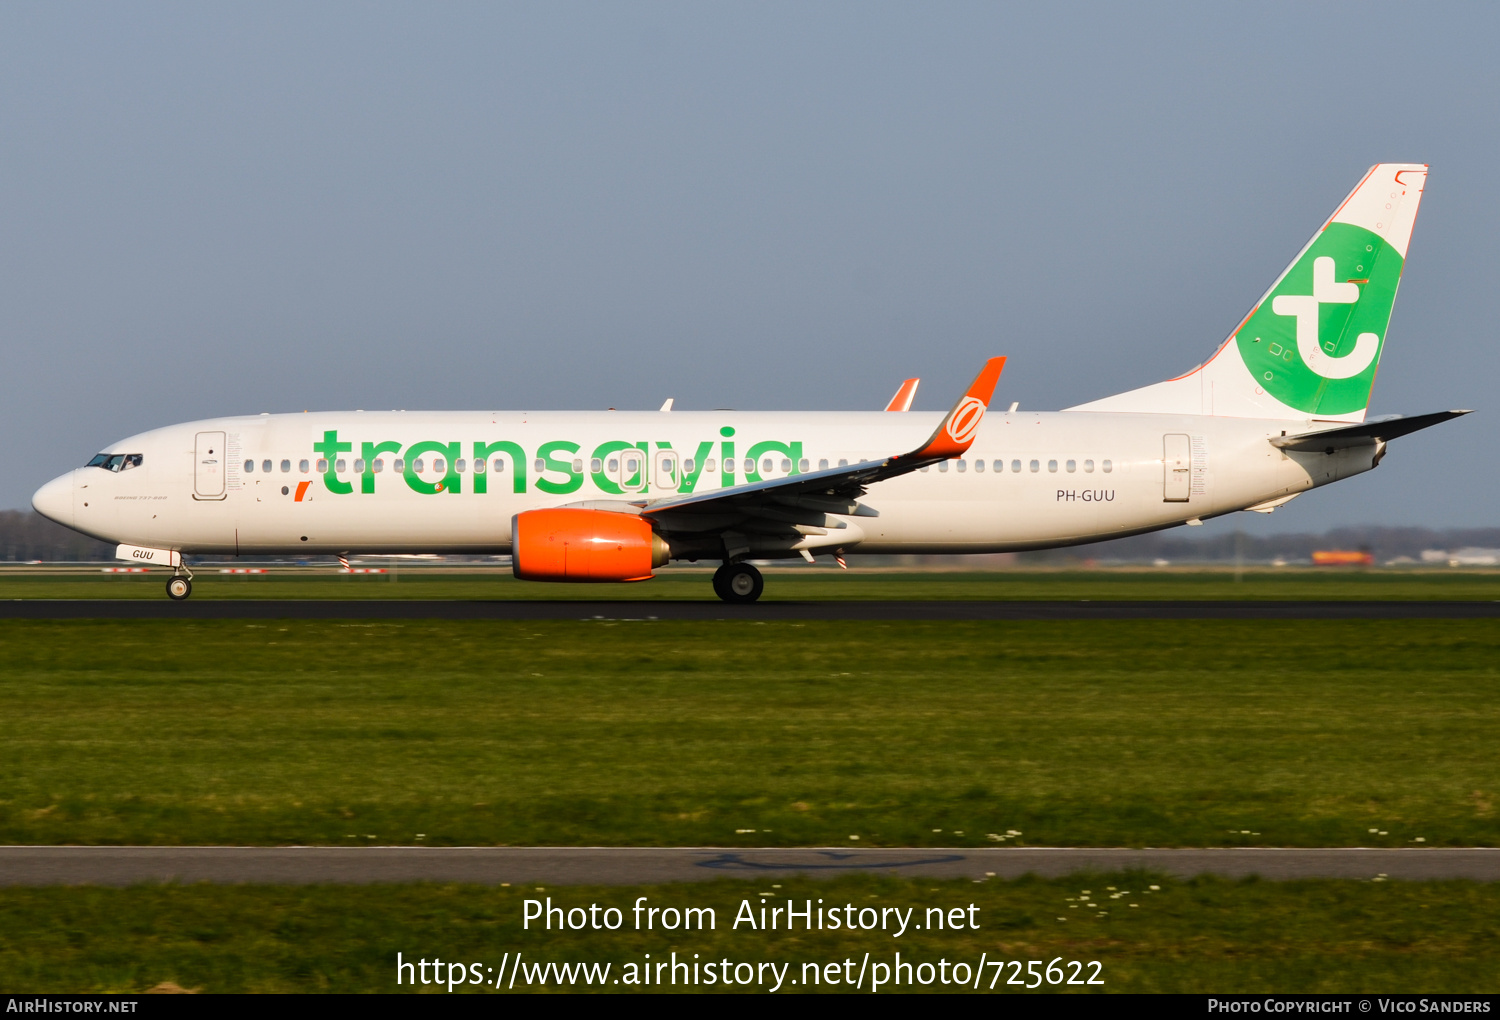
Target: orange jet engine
pixel 584 545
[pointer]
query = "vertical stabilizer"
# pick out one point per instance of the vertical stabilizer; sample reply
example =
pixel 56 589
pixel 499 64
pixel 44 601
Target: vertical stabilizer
pixel 1311 346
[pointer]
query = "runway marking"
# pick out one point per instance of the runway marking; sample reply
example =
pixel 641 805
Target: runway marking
pixel 737 861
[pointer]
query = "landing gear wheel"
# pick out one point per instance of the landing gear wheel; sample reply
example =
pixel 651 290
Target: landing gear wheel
pixel 738 583
pixel 179 588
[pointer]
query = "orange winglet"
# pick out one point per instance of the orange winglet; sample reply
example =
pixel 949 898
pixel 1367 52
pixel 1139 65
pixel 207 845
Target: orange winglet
pixel 902 400
pixel 954 436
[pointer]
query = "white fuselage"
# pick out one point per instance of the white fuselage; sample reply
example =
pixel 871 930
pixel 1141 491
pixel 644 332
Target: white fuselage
pixel 203 487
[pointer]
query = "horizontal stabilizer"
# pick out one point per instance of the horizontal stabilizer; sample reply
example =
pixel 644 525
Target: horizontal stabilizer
pixel 1365 434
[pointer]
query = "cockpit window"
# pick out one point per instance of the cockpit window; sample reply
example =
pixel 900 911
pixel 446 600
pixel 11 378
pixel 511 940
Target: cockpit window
pixel 116 461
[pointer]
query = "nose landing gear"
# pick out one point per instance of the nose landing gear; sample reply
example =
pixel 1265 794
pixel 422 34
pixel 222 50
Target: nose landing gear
pixel 738 583
pixel 180 584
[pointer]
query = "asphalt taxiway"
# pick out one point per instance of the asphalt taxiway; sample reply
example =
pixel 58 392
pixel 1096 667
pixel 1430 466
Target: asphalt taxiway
pixel 507 609
pixel 129 865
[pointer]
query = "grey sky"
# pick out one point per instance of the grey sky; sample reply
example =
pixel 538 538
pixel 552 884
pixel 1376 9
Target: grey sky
pixel 213 209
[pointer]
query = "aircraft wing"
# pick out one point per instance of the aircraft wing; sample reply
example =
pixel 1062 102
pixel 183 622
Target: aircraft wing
pixel 1364 434
pixel 836 490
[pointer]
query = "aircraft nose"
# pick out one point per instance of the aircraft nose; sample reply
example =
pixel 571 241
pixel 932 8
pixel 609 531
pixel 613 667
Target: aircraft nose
pixel 54 500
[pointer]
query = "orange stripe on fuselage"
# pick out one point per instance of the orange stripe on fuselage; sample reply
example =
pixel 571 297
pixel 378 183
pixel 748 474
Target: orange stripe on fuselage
pixel 301 490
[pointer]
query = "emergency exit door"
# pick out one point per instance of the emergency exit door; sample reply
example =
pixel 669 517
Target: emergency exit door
pixel 665 476
pixel 208 466
pixel 1177 463
pixel 630 469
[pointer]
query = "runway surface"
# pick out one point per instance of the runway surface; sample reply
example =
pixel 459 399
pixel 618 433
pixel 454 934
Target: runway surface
pixel 253 609
pixel 74 865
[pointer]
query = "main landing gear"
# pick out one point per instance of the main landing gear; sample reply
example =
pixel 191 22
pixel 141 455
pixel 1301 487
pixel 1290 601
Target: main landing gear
pixel 738 583
pixel 180 586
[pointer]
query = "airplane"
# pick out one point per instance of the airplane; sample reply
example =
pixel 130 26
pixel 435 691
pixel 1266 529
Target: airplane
pixel 610 496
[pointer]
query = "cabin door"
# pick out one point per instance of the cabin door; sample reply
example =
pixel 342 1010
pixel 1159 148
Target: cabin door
pixel 208 466
pixel 1177 463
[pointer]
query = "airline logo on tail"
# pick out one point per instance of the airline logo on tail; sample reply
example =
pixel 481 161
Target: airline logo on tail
pixel 1316 343
pixel 1327 290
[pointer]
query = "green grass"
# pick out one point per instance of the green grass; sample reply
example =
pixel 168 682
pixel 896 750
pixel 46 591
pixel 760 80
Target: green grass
pixel 1111 733
pixel 1200 936
pixel 782 583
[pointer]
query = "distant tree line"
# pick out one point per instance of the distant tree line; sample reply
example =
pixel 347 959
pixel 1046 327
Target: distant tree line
pixel 25 535
pixel 1182 545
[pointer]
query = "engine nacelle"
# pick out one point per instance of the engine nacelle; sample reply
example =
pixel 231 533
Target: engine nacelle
pixel 584 545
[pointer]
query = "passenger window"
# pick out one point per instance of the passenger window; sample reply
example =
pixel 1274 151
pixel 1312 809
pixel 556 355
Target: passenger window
pixel 439 465
pixel 398 464
pixel 666 467
pixel 786 466
pixel 942 465
pixel 377 465
pixel 750 465
pixel 249 466
pixel 1072 465
pixel 459 465
pixel 303 466
pixel 730 465
pixel 359 465
pixel 1015 466
pixel 843 463
pixel 1052 465
pixel 923 469
pixel 687 465
pixel 499 465
pixel 802 465
pixel 596 465
pixel 286 467
pixel 540 465
pixel 963 466
pixel 614 465
pixel 322 466
pixel 479 466
pixel 1088 466
pixel 1107 466
pixel 578 466
pixel 1036 466
pixel 765 466
pixel 708 465
pixel 417 465
pixel 823 464
pixel 342 465
pixel 979 465
pixel 265 466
